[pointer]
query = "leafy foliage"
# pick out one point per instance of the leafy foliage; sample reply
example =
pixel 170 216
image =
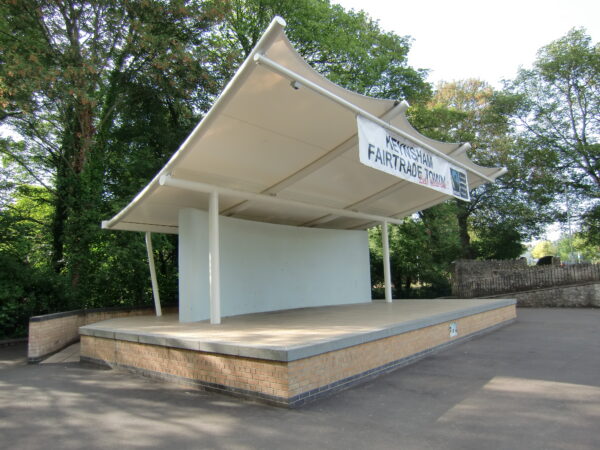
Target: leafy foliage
pixel 543 248
pixel 559 114
pixel 100 95
pixel 421 250
pixel 502 214
pixel 27 284
pixel 347 47
pixel 591 225
pixel 577 248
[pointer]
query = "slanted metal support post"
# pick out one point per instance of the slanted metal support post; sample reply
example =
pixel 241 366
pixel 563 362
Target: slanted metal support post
pixel 213 249
pixel 155 292
pixel 387 279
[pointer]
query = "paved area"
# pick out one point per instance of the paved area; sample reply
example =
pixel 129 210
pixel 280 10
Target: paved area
pixel 534 384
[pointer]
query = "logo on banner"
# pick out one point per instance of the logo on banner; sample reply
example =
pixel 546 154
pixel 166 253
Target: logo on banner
pixel 392 154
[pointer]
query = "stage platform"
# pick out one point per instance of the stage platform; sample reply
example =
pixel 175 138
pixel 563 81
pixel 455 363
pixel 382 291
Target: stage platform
pixel 294 356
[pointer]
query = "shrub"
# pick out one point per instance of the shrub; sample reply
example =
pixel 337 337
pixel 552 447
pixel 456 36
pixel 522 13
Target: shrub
pixel 26 291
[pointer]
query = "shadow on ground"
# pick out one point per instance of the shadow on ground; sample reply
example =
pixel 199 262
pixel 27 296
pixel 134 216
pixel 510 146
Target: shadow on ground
pixel 534 384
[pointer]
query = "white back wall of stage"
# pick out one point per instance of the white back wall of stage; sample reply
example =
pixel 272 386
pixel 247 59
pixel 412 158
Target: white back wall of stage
pixel 268 267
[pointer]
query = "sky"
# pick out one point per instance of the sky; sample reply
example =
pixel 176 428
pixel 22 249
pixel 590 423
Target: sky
pixel 459 39
pixel 489 40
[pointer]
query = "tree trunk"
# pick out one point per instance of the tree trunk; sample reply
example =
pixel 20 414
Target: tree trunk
pixel 462 215
pixel 407 286
pixel 73 204
pixel 58 224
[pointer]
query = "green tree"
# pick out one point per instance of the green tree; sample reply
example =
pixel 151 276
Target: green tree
pixel 421 250
pixel 71 75
pixel 543 248
pixel 591 225
pixel 101 93
pixel 28 285
pixel 500 215
pixel 347 47
pixel 576 248
pixel 559 113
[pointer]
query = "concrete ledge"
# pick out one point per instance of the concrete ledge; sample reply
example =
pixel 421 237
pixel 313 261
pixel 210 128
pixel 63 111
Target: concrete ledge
pixel 84 312
pixel 290 353
pixel 301 352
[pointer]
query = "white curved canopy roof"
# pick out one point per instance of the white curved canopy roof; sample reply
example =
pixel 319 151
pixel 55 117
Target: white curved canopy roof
pixel 292 144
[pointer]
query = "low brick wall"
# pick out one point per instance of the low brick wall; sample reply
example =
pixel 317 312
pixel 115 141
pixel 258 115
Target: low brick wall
pixel 53 332
pixel 307 377
pixel 287 383
pixel 476 279
pixel 575 296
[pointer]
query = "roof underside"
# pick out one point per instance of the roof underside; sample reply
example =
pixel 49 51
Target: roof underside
pixel 264 136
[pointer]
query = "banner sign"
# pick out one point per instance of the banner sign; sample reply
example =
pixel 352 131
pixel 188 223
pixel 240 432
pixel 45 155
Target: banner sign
pixel 382 150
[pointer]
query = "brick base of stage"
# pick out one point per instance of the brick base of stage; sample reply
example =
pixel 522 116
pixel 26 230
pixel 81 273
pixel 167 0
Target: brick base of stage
pixel 288 383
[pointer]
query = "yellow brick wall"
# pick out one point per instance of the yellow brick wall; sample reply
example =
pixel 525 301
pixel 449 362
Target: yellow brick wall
pixel 320 370
pixel 282 379
pixel 256 375
pixel 48 336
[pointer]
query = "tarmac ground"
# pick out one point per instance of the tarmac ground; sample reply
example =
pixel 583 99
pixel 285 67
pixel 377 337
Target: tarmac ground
pixel 534 384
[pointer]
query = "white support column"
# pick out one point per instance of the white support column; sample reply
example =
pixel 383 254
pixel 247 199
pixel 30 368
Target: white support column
pixel 155 292
pixel 387 279
pixel 213 246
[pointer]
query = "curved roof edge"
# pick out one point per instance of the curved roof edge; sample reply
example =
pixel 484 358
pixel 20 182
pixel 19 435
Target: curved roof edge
pixel 273 34
pixel 274 29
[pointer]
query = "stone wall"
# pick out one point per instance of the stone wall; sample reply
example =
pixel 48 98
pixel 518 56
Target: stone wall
pixel 486 278
pixel 53 332
pixel 582 295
